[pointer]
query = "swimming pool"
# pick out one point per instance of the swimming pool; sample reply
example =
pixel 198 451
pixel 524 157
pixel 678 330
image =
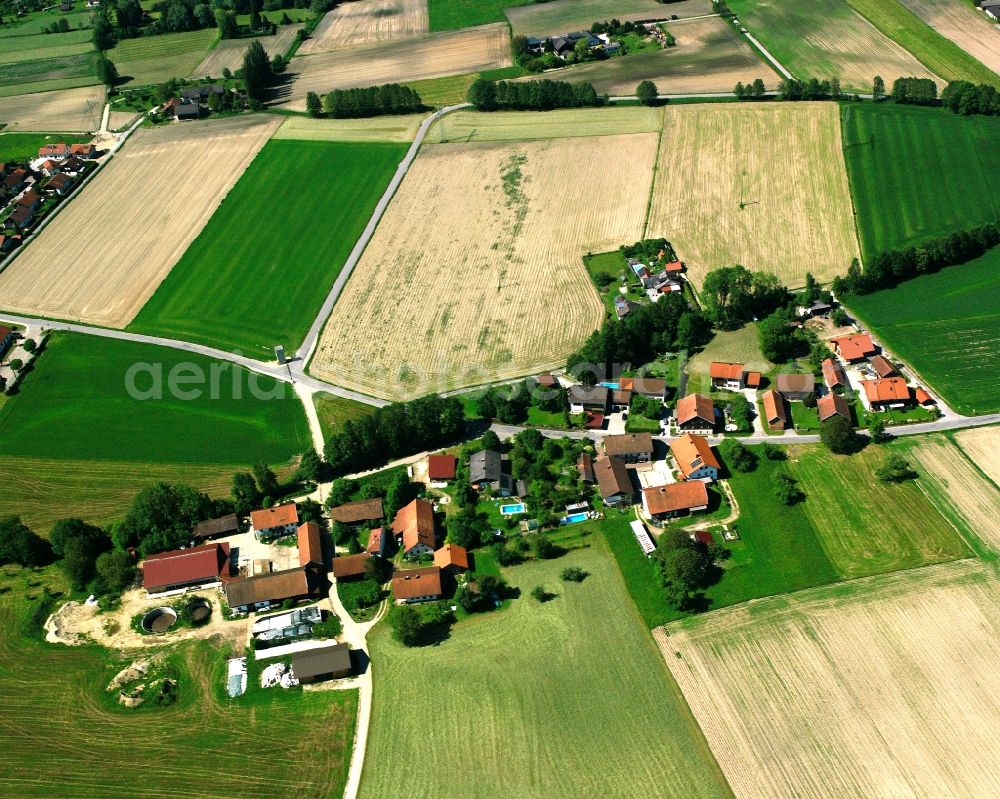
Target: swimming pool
pixel 512 510
pixel 609 385
pixel 573 518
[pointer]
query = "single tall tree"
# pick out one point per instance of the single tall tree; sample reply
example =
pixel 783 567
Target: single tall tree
pixel 647 92
pixel 878 88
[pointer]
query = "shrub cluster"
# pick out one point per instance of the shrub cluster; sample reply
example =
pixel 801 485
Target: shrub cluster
pixel 962 97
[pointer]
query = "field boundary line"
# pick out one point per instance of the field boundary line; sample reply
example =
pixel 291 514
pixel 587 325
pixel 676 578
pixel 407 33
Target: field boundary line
pixel 656 170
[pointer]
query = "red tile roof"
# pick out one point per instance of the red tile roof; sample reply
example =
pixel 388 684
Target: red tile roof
pixel 721 370
pixel 310 545
pixel 350 565
pixel 832 405
pixel 752 380
pixel 887 389
pixel 675 497
pixel 674 266
pixel 278 516
pixel 451 555
pixel 441 467
pixel 413 583
pixel 695 406
pixel 415 523
pixel 774 408
pixel 595 421
pixel 375 545
pixel 692 453
pixel 185 566
pixel 882 366
pixel 855 347
pixel 833 373
pixel 920 395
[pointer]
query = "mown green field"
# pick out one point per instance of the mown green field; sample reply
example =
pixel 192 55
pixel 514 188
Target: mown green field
pixel 942 56
pixel 260 269
pixel 63 735
pixel 867 527
pixel 155 59
pixel 76 404
pixel 24 146
pixel 36 22
pixel 57 72
pixel 44 45
pixel 917 173
pixel 568 698
pixel 947 327
pixel 446 15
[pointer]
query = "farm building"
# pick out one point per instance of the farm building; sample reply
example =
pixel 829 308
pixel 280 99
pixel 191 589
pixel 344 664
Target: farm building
pixel 732 376
pixel 83 150
pixel 919 394
pixel 854 348
pixel 629 447
pixel 212 528
pixel 665 502
pixel 695 458
pixel 356 514
pixel 585 468
pixel 888 392
pixel 883 366
pixel 259 593
pixel 588 398
pixel 453 558
pixel 59 185
pixel 323 663
pixel 486 471
pixel 794 387
pixel 832 405
pixel 547 380
pixel 414 525
pixel 775 410
pixel 310 544
pixel 376 542
pixel 613 481
pixel 6 339
pixel 186 568
pixel 441 468
pixel 417 585
pixel 281 520
pixel 642 536
pixel 833 374
pixel 56 151
pixel 350 567
pixel 695 413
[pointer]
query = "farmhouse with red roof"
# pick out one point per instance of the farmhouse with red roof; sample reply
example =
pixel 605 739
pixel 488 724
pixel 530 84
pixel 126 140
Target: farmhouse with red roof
pixel 196 567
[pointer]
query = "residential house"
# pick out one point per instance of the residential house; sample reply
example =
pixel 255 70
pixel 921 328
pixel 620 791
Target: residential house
pixel 83 150
pixel 487 471
pixel 330 662
pixel 263 591
pixel 213 528
pixel 832 405
pixel 49 168
pixel 561 46
pixel 535 45
pixel 281 520
pixel 21 217
pixel 887 392
pixel 624 306
pixel 854 348
pixel 310 541
pixel 411 586
pixel 414 524
pixel 583 399
pixel 358 514
pixel 185 111
pixel 652 387
pixel 72 166
pixel 452 558
pixel 200 94
pixel 614 481
pixel 377 540
pixel 695 413
pixel 833 374
pixel 629 447
pixel 732 376
pixel 665 502
pixel 31 200
pixel 56 151
pixel 60 184
pixel 775 410
pixel 883 366
pixel 6 335
pixel 441 468
pixel 14 180
pixel 674 268
pixel 196 567
pixel 584 466
pixel 350 567
pixel 621 398
pixel 547 380
pixel 794 387
pixel 695 458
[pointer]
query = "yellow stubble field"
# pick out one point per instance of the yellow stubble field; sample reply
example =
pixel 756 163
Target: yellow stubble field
pixel 66 110
pixel 475 271
pixel 367 21
pixel 885 686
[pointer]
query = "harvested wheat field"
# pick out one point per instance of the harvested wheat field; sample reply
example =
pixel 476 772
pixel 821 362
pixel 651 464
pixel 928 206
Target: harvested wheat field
pixel 882 687
pixel 722 196
pixel 399 128
pixel 969 28
pixel 710 56
pixel 433 56
pixel 229 52
pixel 367 21
pixel 952 480
pixel 67 110
pixel 468 126
pixel 119 120
pixel 559 16
pixel 499 290
pixel 129 226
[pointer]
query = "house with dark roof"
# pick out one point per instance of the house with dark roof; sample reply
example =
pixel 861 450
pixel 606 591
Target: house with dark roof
pixel 695 458
pixel 795 387
pixel 59 184
pixel 357 514
pixel 629 447
pixel 213 528
pixel 487 471
pixel 414 526
pixel 31 199
pixel 21 217
pixel 330 662
pixel 695 413
pixel 588 398
pixel 652 387
pixel 775 410
pixel 668 501
pixel 196 567
pixel 882 366
pixel 411 586
pixel 585 468
pixel 187 110
pixel 264 590
pixel 832 405
pixel 614 481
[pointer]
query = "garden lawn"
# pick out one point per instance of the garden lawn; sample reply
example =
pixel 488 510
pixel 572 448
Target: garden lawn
pixel 334 411
pixel 259 271
pixel 567 698
pixel 75 405
pixel 446 15
pixel 865 526
pixel 947 327
pixel 917 173
pixel 64 735
pixel 22 147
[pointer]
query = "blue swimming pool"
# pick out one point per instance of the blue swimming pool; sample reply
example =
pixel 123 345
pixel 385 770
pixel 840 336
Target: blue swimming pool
pixel 513 510
pixel 573 518
pixel 609 385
